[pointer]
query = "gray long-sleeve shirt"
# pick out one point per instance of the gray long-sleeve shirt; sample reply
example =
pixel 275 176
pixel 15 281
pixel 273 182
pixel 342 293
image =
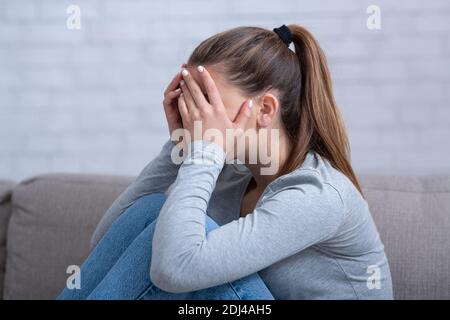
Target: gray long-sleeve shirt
pixel 310 236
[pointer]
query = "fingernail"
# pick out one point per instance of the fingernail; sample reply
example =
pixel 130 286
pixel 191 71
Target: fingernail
pixel 178 90
pixel 200 68
pixel 184 72
pixel 182 83
pixel 250 104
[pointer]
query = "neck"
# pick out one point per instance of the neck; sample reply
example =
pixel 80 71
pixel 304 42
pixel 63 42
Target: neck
pixel 281 151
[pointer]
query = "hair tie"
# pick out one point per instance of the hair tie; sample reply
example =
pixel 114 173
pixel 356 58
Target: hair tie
pixel 284 33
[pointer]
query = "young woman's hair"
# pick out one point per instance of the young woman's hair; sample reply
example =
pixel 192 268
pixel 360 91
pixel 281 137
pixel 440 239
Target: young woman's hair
pixel 256 59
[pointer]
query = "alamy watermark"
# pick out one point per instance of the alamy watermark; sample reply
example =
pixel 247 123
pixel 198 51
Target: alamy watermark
pixel 251 146
pixel 374 280
pixel 374 20
pixel 73 21
pixel 74 280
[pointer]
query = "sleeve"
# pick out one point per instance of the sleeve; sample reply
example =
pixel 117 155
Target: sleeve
pixel 157 176
pixel 185 258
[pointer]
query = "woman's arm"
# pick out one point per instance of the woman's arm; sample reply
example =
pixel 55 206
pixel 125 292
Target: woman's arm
pixel 157 176
pixel 185 259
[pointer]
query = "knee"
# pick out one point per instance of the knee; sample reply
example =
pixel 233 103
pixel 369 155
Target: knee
pixel 157 198
pixel 148 206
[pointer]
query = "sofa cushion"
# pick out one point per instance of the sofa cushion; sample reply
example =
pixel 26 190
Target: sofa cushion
pixel 53 218
pixel 413 217
pixel 5 213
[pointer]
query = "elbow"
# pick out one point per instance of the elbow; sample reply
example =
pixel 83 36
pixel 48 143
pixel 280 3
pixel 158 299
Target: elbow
pixel 169 280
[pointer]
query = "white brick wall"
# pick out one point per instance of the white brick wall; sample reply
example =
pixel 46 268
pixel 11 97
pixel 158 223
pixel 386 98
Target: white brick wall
pixel 89 100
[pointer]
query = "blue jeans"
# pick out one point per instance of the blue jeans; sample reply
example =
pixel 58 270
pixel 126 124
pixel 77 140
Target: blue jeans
pixel 119 266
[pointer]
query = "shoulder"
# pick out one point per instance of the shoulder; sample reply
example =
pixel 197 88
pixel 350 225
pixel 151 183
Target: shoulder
pixel 318 186
pixel 306 197
pixel 315 179
pixel 303 201
pixel 329 176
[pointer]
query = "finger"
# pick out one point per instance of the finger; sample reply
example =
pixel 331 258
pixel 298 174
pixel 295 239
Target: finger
pixel 190 103
pixel 244 114
pixel 173 83
pixel 169 97
pixel 210 86
pixel 182 108
pixel 194 89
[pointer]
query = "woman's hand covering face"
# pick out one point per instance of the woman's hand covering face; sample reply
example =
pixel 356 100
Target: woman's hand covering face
pixel 210 111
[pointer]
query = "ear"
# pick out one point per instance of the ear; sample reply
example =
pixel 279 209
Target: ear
pixel 268 107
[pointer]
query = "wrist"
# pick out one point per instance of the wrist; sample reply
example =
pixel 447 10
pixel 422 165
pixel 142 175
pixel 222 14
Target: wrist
pixel 205 152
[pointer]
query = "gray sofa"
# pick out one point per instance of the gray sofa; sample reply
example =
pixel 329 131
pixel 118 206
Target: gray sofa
pixel 46 223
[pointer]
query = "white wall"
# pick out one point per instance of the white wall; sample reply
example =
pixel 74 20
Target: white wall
pixel 89 100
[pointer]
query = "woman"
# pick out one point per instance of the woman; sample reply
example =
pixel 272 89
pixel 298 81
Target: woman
pixel 206 229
